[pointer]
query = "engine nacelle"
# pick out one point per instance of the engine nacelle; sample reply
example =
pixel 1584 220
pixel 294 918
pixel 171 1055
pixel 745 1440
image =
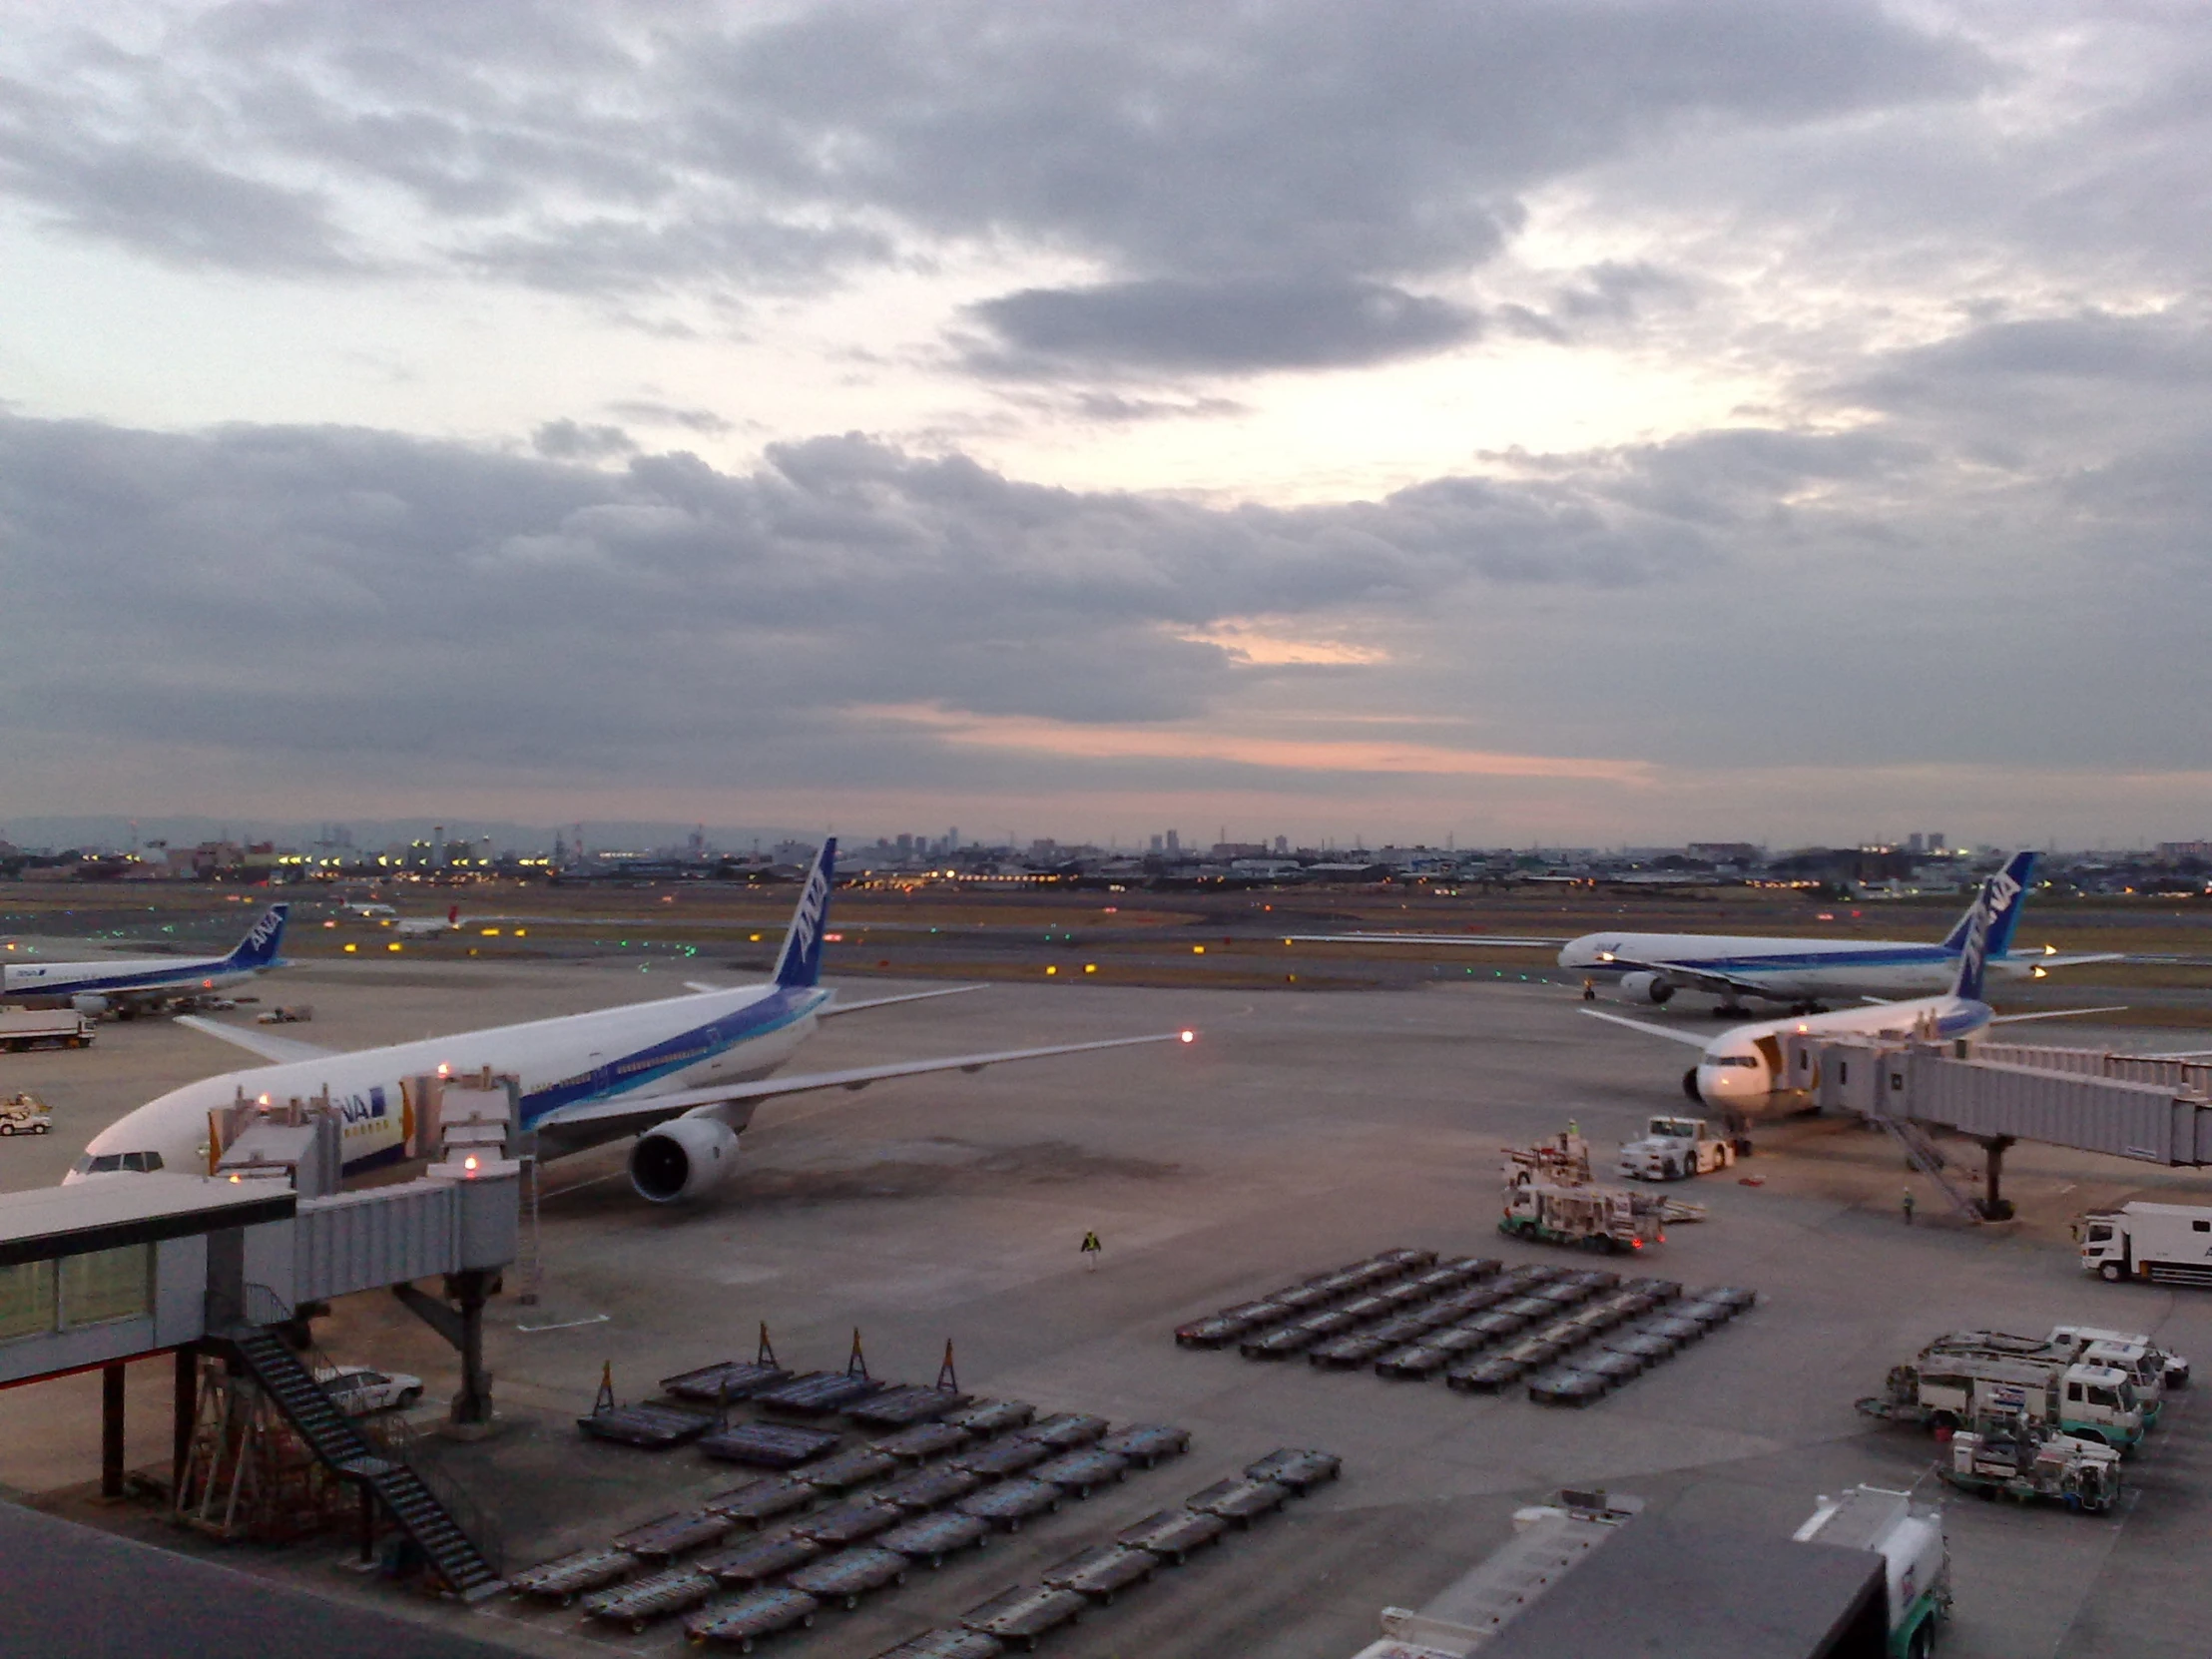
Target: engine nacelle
pixel 92 1007
pixel 685 1158
pixel 1654 989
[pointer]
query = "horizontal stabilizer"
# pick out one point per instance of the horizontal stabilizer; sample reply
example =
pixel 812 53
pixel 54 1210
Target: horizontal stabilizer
pixel 837 1008
pixel 274 1049
pixel 1667 1031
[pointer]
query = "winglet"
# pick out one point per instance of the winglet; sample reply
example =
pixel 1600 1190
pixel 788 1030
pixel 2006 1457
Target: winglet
pixel 259 948
pixel 799 963
pixel 1989 925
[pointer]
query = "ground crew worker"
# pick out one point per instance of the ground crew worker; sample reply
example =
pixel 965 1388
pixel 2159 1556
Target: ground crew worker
pixel 1909 1206
pixel 1092 1250
pixel 1589 990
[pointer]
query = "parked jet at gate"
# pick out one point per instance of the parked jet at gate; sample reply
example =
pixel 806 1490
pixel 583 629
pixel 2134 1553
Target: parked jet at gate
pixel 1801 971
pixel 684 1074
pixel 130 984
pixel 1742 1068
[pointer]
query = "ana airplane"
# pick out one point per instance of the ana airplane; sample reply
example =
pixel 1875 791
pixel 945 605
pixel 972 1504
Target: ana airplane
pixel 133 985
pixel 1803 972
pixel 684 1074
pixel 1741 1069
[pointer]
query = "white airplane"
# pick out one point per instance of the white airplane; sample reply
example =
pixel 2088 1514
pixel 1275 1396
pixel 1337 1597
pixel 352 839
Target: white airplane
pixel 1803 972
pixel 684 1074
pixel 129 984
pixel 1741 1069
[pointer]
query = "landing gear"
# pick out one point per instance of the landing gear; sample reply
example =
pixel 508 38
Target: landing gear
pixel 1731 1010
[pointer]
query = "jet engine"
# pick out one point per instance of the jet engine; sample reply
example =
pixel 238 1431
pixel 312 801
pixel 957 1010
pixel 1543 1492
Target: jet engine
pixel 89 1005
pixel 1688 1087
pixel 685 1158
pixel 1654 989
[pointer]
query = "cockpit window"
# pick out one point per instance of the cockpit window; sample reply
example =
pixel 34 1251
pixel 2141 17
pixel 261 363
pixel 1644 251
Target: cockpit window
pixel 109 1161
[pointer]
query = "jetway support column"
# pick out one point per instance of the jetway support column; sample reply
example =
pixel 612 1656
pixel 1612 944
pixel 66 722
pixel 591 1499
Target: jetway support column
pixel 460 1321
pixel 184 1408
pixel 1994 1206
pixel 111 1429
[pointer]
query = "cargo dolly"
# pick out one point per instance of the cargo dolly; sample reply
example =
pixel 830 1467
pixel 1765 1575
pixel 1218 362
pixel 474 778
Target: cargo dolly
pixel 1240 1502
pixel 1010 1502
pixel 769 1445
pixel 758 1502
pixel 562 1581
pixel 850 1522
pixel 987 1417
pixel 1080 1473
pixel 1101 1572
pixel 1066 1430
pixel 946 1644
pixel 1026 1613
pixel 933 1539
pixel 926 1490
pixel 642 1601
pixel 742 1623
pixel 857 1466
pixel 1173 1535
pixel 760 1559
pixel 647 1427
pixel 849 1574
pixel 901 1407
pixel 1002 1457
pixel 673 1535
pixel 1147 1444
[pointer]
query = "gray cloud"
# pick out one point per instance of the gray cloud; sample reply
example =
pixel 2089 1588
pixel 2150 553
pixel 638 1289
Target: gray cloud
pixel 650 412
pixel 1212 326
pixel 1242 176
pixel 565 440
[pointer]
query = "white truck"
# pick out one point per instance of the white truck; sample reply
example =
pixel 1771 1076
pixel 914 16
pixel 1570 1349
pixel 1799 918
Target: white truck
pixel 1947 1391
pixel 2173 1368
pixel 2150 1243
pixel 22 1028
pixel 1675 1148
pixel 25 1114
pixel 1916 1559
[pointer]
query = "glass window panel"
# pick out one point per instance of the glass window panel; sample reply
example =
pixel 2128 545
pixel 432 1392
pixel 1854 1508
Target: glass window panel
pixel 106 1285
pixel 26 1300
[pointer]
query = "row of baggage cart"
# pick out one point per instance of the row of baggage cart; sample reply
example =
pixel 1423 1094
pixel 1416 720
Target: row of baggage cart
pixel 1022 1617
pixel 770 1554
pixel 1572 1335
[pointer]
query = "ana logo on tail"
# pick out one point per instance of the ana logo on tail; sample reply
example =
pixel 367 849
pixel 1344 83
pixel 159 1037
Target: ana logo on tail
pixel 1991 914
pixel 800 960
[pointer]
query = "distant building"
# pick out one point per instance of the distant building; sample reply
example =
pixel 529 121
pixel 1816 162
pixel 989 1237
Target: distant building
pixel 1175 845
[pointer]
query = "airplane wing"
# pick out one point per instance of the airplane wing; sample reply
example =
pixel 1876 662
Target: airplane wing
pixel 1699 978
pixel 277 1050
pixel 1472 939
pixel 2056 1013
pixel 1667 1031
pixel 648 1110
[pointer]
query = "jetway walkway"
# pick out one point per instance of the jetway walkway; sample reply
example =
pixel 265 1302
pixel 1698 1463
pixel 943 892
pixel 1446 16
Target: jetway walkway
pixel 2124 1106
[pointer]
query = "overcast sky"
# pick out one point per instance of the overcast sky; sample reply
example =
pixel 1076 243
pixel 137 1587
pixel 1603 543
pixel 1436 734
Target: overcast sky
pixel 1586 422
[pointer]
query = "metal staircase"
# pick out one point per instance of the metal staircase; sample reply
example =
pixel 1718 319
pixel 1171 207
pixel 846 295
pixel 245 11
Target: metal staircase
pixel 1926 1157
pixel 331 1436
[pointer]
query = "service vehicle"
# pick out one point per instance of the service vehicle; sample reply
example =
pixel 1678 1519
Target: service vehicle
pixel 1675 1148
pixel 2002 1456
pixel 24 1113
pixel 361 1390
pixel 1549 1197
pixel 22 1028
pixel 1916 1559
pixel 2151 1242
pixel 2174 1366
pixel 2148 1374
pixel 1947 1391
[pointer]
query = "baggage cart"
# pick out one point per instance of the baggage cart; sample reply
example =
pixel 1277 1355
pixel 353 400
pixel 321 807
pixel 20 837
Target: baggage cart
pixel 758 1502
pixel 1147 1444
pixel 648 1428
pixel 758 1560
pixel 642 1601
pixel 926 1490
pixel 818 1394
pixel 849 1574
pixel 922 1442
pixel 1020 1617
pixel 1080 1473
pixel 769 1445
pixel 931 1540
pixel 562 1581
pixel 1173 1535
pixel 1240 1502
pixel 1001 1457
pixel 850 1522
pixel 742 1623
pixel 855 1468
pixel 1010 1502
pixel 673 1535
pixel 1301 1471
pixel 726 1380
pixel 1101 1572
pixel 901 1407
pixel 1066 1430
pixel 987 1417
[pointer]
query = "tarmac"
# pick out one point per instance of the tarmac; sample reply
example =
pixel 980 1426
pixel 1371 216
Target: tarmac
pixel 1303 1130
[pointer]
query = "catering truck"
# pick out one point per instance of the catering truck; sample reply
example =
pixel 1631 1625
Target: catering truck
pixel 44 1028
pixel 2168 1243
pixel 1916 1560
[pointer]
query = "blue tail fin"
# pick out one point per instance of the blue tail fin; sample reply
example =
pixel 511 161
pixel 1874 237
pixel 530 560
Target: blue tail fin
pixel 259 948
pixel 1988 925
pixel 799 961
pixel 2019 866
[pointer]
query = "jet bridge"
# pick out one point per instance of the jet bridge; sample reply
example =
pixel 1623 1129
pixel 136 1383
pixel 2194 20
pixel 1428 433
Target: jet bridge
pixel 2124 1106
